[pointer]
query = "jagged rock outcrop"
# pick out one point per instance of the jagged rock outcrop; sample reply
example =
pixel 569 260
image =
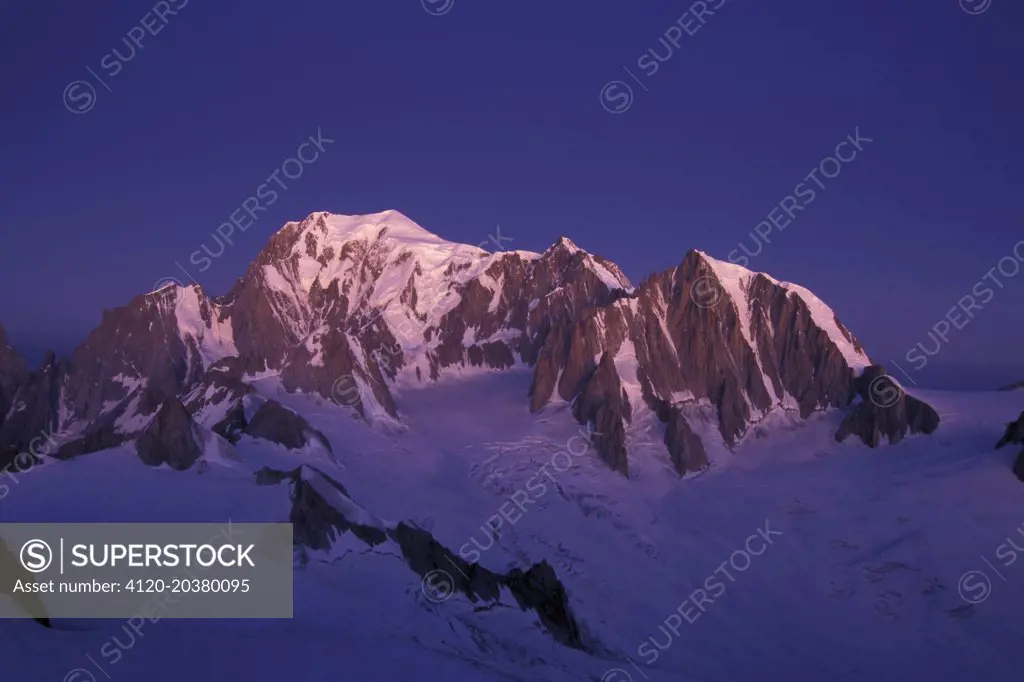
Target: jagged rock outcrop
pixel 536 589
pixel 32 417
pixel 566 361
pixel 230 407
pixel 684 446
pixel 157 341
pixel 604 406
pixel 323 512
pixel 14 372
pixel 540 589
pixel 218 401
pixel 173 438
pixel 99 435
pixel 336 372
pixel 278 424
pixel 885 411
pixel 1014 435
pixel 114 427
pixel 525 294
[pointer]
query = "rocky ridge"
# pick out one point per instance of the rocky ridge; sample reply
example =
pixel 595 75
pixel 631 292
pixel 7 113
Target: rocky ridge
pixel 323 514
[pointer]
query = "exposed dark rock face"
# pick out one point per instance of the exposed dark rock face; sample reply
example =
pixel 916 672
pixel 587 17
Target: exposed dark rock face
pixel 100 435
pixel 704 353
pixel 265 322
pixel 540 589
pixel 537 589
pixel 33 415
pixel 549 364
pixel 423 553
pixel 1014 432
pixel 603 405
pixel 108 430
pixel 805 362
pixel 173 438
pixel 536 294
pixel 232 426
pixel 335 378
pixel 684 446
pixel 278 424
pixel 14 373
pixel 218 401
pixel 316 521
pixel 1014 435
pixel 713 360
pixel 323 511
pixel 579 367
pixel 885 411
pixel 140 342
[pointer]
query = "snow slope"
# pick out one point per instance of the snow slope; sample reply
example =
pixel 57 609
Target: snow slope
pixel 862 583
pixel 736 280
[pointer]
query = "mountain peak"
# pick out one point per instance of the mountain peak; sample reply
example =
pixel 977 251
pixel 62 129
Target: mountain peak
pixel 563 243
pixel 737 282
pixel 390 223
pixel 565 251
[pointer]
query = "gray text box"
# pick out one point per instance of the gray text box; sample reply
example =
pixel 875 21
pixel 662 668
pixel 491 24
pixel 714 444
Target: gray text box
pixel 158 570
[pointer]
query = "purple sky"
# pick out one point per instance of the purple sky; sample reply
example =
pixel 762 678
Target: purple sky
pixel 491 114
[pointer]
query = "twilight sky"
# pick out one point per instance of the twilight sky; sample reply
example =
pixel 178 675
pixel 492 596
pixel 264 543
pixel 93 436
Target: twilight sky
pixel 467 115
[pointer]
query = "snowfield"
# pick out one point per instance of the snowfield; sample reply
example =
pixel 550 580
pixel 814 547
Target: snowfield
pixel 793 558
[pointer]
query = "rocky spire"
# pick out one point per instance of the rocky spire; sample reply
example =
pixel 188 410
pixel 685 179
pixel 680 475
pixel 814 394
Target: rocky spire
pixel 13 373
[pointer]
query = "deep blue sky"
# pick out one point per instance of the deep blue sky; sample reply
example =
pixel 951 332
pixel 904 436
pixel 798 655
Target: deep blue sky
pixel 491 115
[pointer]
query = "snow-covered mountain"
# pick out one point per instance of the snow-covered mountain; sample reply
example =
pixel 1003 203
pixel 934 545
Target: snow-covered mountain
pixel 480 455
pixel 360 309
pixel 706 334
